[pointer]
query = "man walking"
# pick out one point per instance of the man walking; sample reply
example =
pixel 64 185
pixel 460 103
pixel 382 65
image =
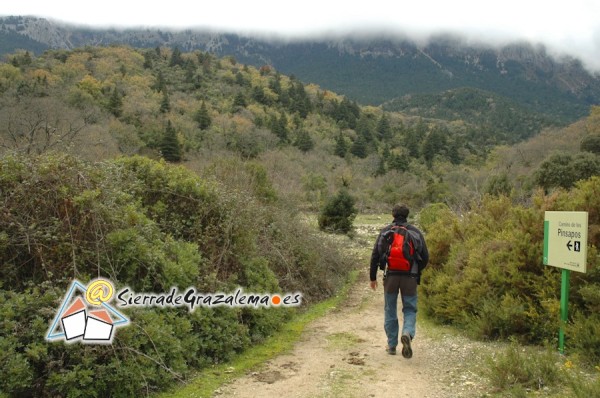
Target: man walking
pixel 400 251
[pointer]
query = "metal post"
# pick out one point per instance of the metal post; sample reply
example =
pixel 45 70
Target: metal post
pixel 564 303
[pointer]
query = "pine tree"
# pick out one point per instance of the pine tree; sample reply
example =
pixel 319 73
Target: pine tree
pixel 239 101
pixel 304 141
pixel 240 80
pixel 115 103
pixel 346 112
pixel 176 58
pixel 381 170
pixel 341 148
pixel 299 101
pixel 386 152
pixel 190 71
pixel 364 128
pixel 398 162
pixel 413 138
pixel 170 148
pixel 434 144
pixel 258 94
pixel 275 84
pixel 202 117
pixel 384 129
pixel 161 84
pixel 359 147
pixel 165 104
pixel 412 141
pixel 205 60
pixel 279 127
pixel 148 60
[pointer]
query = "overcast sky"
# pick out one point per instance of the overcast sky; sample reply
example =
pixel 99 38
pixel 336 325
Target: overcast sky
pixel 571 27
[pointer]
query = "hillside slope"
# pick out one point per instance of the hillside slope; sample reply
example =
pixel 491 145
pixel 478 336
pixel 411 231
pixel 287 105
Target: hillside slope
pixel 199 109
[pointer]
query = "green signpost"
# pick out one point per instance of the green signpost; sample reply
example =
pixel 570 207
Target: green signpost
pixel 565 246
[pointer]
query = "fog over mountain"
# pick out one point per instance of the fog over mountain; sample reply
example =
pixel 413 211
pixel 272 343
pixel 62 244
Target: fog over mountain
pixel 571 28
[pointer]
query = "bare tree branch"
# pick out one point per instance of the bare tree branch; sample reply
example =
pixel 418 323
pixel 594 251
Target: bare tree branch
pixel 36 125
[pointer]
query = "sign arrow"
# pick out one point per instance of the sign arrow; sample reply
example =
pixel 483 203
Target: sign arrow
pixel 569 245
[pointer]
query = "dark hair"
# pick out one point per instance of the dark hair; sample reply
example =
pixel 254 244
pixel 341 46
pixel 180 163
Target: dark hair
pixel 400 211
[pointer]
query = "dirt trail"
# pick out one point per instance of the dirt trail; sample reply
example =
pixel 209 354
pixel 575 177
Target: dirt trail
pixel 343 355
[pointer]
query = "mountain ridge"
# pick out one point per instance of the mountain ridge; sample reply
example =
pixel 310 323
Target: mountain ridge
pixel 371 69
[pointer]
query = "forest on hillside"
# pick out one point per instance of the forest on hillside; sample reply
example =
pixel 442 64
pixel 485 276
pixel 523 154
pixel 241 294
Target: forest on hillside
pixel 101 102
pixel 146 166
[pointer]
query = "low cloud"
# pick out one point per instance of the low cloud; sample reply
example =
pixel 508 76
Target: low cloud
pixel 571 29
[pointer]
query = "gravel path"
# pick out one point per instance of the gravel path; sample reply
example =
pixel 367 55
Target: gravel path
pixel 343 355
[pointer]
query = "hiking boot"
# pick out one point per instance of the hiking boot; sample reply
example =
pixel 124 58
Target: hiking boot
pixel 391 350
pixel 406 349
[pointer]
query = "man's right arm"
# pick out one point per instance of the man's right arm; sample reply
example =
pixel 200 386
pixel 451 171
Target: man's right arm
pixel 375 260
pixel 375 257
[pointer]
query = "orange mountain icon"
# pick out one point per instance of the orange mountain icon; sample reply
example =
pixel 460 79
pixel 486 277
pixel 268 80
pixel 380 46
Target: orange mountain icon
pixel 74 320
pixel 77 321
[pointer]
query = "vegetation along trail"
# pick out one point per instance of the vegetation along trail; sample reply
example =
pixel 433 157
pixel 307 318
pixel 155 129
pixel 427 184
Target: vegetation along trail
pixel 343 355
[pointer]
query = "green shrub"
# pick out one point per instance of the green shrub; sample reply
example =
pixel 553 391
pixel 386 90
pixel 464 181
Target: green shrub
pixel 583 335
pixel 582 386
pixel 507 316
pixel 519 369
pixel 150 226
pixel 563 170
pixel 487 274
pixel 338 214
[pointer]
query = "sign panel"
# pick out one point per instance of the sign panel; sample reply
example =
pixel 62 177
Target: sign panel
pixel 565 239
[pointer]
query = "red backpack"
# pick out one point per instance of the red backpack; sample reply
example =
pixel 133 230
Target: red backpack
pixel 398 250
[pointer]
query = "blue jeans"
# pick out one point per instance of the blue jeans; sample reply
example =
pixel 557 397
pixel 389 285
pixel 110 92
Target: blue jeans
pixel 407 287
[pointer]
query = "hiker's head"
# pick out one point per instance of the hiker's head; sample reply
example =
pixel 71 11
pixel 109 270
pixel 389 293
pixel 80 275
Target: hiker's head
pixel 400 211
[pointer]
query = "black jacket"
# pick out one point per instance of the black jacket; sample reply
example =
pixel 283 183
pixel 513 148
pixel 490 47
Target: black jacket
pixel 422 258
